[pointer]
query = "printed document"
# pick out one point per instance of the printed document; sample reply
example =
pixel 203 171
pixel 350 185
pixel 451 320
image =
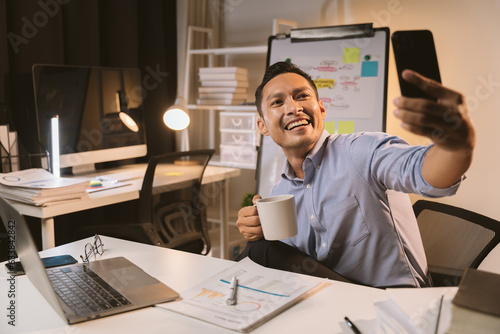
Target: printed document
pixel 261 294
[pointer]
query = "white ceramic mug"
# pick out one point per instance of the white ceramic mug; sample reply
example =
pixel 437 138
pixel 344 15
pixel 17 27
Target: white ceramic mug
pixel 278 217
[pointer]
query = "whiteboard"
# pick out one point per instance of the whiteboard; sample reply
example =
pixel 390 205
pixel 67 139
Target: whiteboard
pixel 351 77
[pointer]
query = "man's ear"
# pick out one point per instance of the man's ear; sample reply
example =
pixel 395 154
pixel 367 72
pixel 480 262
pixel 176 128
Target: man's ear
pixel 262 126
pixel 322 108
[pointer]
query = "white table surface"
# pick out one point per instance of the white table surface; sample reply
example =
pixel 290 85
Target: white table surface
pixel 322 312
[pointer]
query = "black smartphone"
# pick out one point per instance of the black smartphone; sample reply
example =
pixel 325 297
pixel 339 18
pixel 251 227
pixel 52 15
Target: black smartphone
pixel 415 50
pixel 17 269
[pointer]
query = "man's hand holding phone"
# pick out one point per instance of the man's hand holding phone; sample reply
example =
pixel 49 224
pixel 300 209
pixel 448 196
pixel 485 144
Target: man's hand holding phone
pixel 445 121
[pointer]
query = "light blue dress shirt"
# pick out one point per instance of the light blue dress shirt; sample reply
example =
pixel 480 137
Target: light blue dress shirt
pixel 353 212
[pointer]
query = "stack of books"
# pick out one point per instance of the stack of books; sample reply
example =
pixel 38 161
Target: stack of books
pixel 223 85
pixel 38 187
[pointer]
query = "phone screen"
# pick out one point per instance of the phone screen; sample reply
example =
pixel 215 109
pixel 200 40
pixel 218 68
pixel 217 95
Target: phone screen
pixel 49 262
pixel 415 50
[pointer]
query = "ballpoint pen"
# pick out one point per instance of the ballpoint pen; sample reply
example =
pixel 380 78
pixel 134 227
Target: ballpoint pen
pixel 439 314
pixel 231 300
pixel 352 326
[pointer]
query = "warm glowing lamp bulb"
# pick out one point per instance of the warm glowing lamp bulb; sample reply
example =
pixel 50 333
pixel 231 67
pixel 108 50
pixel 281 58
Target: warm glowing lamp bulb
pixel 128 121
pixel 176 119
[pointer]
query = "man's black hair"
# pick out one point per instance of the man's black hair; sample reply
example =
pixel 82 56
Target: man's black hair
pixel 275 70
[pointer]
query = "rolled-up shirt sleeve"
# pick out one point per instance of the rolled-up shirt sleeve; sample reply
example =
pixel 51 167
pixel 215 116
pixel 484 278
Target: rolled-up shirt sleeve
pixel 390 162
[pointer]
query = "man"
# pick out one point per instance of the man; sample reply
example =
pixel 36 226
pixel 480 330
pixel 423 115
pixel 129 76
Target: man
pixel 354 222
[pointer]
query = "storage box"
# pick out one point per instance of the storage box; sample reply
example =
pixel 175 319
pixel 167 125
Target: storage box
pixel 238 120
pixel 239 137
pixel 238 154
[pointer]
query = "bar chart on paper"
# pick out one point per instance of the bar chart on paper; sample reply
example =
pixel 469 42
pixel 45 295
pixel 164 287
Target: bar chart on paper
pixel 261 294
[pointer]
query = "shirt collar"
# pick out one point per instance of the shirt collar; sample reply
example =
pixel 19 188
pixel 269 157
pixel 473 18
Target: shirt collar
pixel 315 155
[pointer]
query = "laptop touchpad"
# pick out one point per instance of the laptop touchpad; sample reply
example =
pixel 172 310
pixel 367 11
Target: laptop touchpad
pixel 122 274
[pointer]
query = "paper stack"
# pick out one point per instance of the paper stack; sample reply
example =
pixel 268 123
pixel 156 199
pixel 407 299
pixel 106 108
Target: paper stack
pixel 223 85
pixel 39 187
pixel 415 311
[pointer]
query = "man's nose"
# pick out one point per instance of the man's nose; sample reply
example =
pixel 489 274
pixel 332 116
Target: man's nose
pixel 293 107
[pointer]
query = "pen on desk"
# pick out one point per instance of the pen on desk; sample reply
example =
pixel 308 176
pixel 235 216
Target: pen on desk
pixel 352 326
pixel 439 314
pixel 231 300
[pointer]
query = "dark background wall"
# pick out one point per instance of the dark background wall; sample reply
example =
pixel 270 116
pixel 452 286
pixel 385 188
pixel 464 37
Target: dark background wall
pixel 108 33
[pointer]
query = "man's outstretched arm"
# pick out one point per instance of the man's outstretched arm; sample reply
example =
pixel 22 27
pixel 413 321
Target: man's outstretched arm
pixel 446 122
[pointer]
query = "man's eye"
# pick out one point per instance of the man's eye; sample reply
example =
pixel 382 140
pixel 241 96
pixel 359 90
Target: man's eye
pixel 303 95
pixel 276 102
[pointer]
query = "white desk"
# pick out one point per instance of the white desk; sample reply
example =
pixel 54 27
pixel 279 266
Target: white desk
pixel 323 312
pixel 219 175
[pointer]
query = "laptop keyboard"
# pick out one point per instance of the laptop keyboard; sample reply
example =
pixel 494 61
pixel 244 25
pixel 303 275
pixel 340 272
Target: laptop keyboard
pixel 84 291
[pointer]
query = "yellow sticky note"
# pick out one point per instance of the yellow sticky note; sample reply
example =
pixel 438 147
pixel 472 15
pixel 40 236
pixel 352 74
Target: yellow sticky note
pixel 174 173
pixel 324 83
pixel 346 126
pixel 351 55
pixel 330 127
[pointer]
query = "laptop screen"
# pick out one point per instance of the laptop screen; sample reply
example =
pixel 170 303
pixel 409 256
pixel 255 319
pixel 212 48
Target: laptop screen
pixel 27 251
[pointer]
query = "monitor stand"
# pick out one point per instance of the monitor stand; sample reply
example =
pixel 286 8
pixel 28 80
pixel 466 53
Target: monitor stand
pixel 83 169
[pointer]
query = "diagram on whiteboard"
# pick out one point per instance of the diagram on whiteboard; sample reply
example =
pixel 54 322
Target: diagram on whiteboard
pixel 347 83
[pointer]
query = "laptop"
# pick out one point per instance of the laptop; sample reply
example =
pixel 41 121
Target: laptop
pixel 104 287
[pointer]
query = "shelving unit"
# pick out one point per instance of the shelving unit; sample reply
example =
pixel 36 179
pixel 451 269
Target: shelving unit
pixel 212 109
pixel 220 107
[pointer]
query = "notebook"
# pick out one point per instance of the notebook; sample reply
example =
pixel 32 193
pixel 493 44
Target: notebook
pixel 130 287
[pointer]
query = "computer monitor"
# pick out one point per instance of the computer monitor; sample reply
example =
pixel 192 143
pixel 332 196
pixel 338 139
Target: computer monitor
pixel 95 106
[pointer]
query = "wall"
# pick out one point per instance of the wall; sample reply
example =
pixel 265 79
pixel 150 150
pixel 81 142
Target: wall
pixel 466 39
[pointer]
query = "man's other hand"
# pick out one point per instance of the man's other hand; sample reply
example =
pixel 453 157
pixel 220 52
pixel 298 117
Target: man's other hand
pixel 249 223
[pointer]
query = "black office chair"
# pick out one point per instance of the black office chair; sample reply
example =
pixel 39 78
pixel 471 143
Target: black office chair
pixel 171 217
pixel 176 219
pixel 454 239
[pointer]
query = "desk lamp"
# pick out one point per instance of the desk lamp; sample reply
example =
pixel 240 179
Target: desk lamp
pixel 124 112
pixel 177 119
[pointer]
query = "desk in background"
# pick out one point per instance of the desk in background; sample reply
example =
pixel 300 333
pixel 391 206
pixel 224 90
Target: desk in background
pixel 219 175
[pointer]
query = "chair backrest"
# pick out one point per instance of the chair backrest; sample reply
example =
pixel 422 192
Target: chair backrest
pixel 454 239
pixel 175 216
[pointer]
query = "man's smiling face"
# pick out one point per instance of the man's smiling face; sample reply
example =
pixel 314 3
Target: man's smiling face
pixel 292 114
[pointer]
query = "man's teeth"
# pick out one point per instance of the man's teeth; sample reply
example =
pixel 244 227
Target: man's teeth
pixel 297 123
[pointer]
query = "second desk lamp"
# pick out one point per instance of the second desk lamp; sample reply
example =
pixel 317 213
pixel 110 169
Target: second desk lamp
pixel 177 119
